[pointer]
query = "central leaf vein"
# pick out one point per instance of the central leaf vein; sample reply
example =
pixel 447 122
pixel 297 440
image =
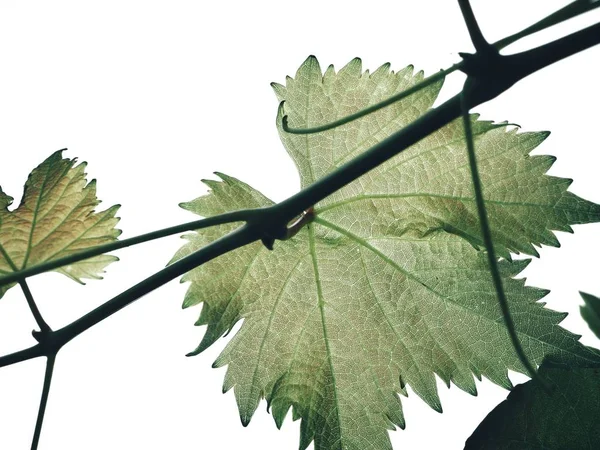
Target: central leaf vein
pixel 321 302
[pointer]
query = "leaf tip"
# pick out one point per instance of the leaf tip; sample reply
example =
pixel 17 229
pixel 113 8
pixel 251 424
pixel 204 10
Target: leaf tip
pixel 58 153
pixel 245 419
pixel 279 89
pixel 310 65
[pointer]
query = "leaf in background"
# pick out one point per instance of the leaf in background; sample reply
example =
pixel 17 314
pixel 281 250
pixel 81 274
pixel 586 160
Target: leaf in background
pixel 385 287
pixel 591 312
pixel 55 219
pixel 531 418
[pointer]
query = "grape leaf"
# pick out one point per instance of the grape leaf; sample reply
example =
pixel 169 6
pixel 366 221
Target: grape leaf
pixel 386 287
pixel 55 219
pixel 430 185
pixel 591 312
pixel 531 418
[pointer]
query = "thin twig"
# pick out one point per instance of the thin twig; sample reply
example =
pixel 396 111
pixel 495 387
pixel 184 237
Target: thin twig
pixel 44 328
pixel 570 11
pixel 485 50
pixel 22 355
pixel 487 238
pixel 475 33
pixel 234 216
pixel 371 109
pixel 236 239
pixel 517 67
pixel 52 342
pixel 43 401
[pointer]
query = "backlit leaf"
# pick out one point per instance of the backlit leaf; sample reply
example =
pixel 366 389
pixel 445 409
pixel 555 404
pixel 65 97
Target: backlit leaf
pixel 55 219
pixel 388 286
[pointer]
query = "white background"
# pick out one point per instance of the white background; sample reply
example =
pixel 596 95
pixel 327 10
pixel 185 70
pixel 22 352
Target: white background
pixel 157 95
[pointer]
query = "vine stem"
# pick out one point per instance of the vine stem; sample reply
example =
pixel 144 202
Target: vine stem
pixel 44 328
pixel 237 238
pixel 43 400
pixel 52 342
pixel 485 50
pixel 475 33
pixel 570 11
pixel 234 216
pixel 272 221
pixel 371 109
pixel 487 238
pixel 516 67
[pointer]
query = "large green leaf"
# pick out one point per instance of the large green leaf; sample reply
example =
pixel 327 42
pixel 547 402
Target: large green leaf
pixel 563 416
pixel 55 219
pixel 429 187
pixel 387 286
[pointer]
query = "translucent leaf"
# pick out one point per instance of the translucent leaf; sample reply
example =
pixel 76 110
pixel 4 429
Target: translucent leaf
pixel 388 286
pixel 429 186
pixel 55 219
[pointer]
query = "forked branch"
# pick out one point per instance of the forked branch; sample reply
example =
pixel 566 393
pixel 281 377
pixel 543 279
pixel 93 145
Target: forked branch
pixel 271 223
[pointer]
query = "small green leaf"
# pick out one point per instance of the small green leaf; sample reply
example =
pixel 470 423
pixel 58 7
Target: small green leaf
pixel 55 219
pixel 531 418
pixel 591 312
pixel 388 285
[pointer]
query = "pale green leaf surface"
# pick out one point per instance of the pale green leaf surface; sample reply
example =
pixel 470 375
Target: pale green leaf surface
pixel 378 293
pixel 429 186
pixel 56 218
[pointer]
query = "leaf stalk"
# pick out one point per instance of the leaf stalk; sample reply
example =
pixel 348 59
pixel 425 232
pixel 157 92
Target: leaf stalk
pixel 487 238
pixel 234 216
pixel 44 328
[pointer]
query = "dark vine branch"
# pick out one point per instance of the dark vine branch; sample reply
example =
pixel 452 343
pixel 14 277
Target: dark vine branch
pixel 488 241
pixel 489 52
pixel 273 220
pixel 44 328
pixel 265 220
pixel 479 42
pixel 493 76
pixel 51 343
pixel 234 216
pixel 43 401
pixel 373 108
pixel 570 11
